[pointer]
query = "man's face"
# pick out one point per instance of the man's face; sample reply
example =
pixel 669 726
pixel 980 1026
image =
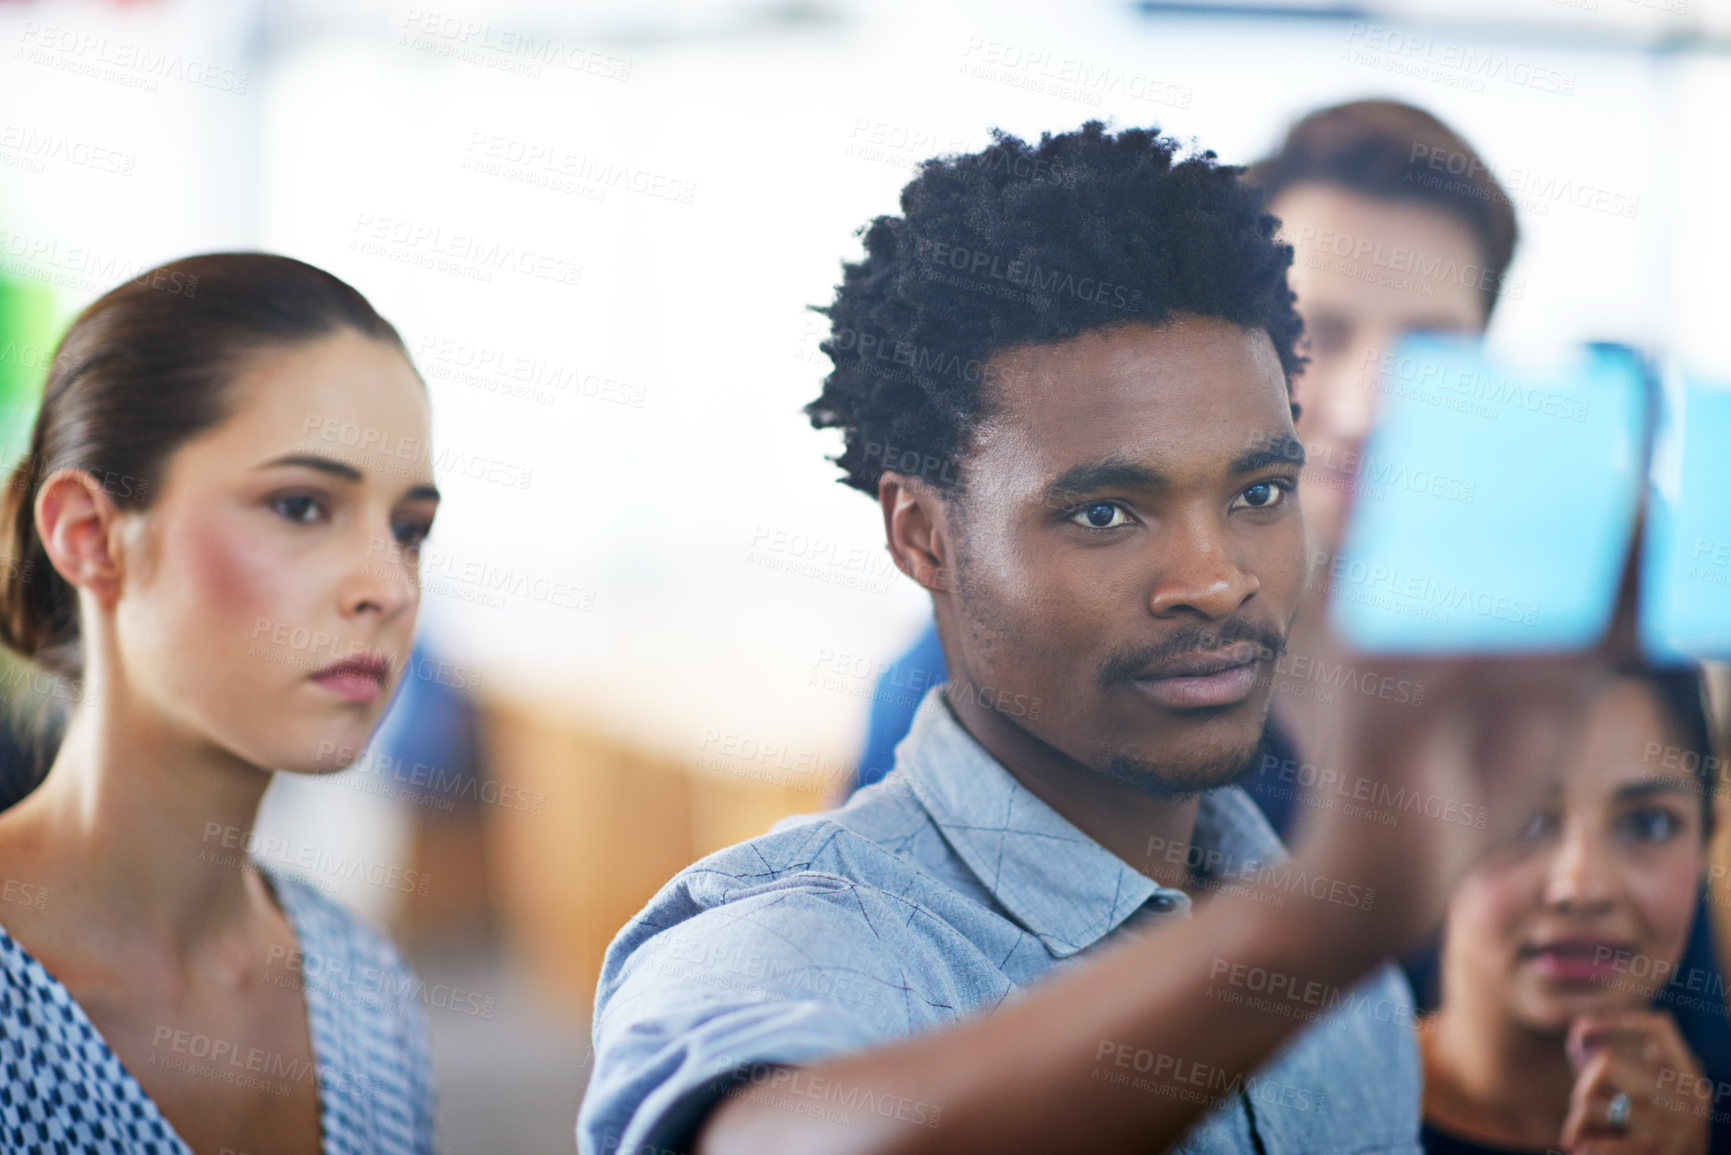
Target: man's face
pixel 1129 548
pixel 1364 271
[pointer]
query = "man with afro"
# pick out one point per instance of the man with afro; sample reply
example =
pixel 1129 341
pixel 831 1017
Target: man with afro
pixel 1058 924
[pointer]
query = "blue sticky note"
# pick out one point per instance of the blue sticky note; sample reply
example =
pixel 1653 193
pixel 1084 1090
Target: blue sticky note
pixel 1685 603
pixel 1495 505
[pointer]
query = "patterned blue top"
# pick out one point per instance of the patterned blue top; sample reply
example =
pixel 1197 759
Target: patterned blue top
pixel 63 1090
pixel 941 893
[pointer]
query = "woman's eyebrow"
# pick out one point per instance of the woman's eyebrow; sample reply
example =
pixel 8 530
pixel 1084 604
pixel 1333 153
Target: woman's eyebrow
pixel 1650 786
pixel 315 461
pixel 347 473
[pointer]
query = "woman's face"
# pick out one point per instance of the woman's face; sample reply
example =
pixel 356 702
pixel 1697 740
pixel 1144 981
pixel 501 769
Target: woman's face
pixel 281 542
pixel 1591 909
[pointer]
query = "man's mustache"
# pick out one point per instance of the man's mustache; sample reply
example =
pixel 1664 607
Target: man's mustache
pixel 1132 662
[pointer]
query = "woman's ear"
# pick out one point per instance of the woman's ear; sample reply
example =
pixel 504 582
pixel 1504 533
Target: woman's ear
pixel 77 521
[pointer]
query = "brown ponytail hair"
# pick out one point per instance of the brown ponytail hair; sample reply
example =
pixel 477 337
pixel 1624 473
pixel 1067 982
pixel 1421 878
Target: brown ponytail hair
pixel 140 372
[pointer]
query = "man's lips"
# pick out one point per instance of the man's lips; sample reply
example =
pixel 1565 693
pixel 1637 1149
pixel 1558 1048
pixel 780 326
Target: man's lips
pixel 1204 679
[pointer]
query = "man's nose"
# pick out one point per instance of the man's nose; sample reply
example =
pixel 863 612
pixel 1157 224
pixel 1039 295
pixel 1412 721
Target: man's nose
pixel 1201 575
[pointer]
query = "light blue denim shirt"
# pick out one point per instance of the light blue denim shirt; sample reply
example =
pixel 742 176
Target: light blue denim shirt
pixel 935 895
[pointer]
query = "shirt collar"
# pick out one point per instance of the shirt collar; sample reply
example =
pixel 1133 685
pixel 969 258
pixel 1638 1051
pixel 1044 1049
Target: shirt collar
pixel 1061 885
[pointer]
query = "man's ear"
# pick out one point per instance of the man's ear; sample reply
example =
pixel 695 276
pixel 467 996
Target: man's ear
pixel 78 522
pixel 916 526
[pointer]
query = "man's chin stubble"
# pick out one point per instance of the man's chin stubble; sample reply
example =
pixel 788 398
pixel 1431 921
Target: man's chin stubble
pixel 1170 783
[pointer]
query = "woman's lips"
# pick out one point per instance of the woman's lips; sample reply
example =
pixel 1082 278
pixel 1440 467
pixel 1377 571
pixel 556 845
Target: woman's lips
pixel 356 680
pixel 1580 961
pixel 352 686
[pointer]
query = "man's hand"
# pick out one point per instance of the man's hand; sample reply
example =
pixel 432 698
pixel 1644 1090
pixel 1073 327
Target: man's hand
pixel 1437 783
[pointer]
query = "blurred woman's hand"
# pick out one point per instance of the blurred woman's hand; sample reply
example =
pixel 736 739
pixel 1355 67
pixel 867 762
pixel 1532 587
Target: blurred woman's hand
pixel 1640 1055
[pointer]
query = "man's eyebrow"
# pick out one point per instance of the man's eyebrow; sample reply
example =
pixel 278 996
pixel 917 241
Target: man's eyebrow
pixel 1281 449
pixel 1093 476
pixel 1126 473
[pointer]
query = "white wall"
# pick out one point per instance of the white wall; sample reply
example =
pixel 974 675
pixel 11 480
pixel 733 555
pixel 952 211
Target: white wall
pixel 653 516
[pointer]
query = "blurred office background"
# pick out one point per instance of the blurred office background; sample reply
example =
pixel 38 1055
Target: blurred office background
pixel 652 620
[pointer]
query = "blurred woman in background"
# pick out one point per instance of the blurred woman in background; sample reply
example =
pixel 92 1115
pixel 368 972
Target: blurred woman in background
pixel 1557 947
pixel 212 542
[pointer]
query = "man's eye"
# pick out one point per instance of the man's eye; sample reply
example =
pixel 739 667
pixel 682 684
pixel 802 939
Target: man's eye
pixel 1101 515
pixel 1263 495
pixel 297 507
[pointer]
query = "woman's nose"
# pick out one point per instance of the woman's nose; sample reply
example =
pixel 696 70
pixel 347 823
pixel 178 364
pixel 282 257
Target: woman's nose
pixel 1578 879
pixel 385 580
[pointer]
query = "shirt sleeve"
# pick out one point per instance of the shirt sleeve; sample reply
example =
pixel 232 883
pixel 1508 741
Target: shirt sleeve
pixel 788 973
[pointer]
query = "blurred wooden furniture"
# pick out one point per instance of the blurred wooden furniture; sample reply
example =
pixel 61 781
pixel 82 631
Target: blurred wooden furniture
pixel 586 828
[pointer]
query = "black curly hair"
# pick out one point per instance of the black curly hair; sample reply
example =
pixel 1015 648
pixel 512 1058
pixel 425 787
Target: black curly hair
pixel 1031 244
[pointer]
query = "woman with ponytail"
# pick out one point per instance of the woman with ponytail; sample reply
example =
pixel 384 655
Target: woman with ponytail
pixel 211 549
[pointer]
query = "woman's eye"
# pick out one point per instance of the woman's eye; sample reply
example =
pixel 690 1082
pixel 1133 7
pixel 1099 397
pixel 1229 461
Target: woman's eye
pixel 1651 825
pixel 411 534
pixel 1101 515
pixel 1263 495
pixel 297 507
pixel 1538 827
